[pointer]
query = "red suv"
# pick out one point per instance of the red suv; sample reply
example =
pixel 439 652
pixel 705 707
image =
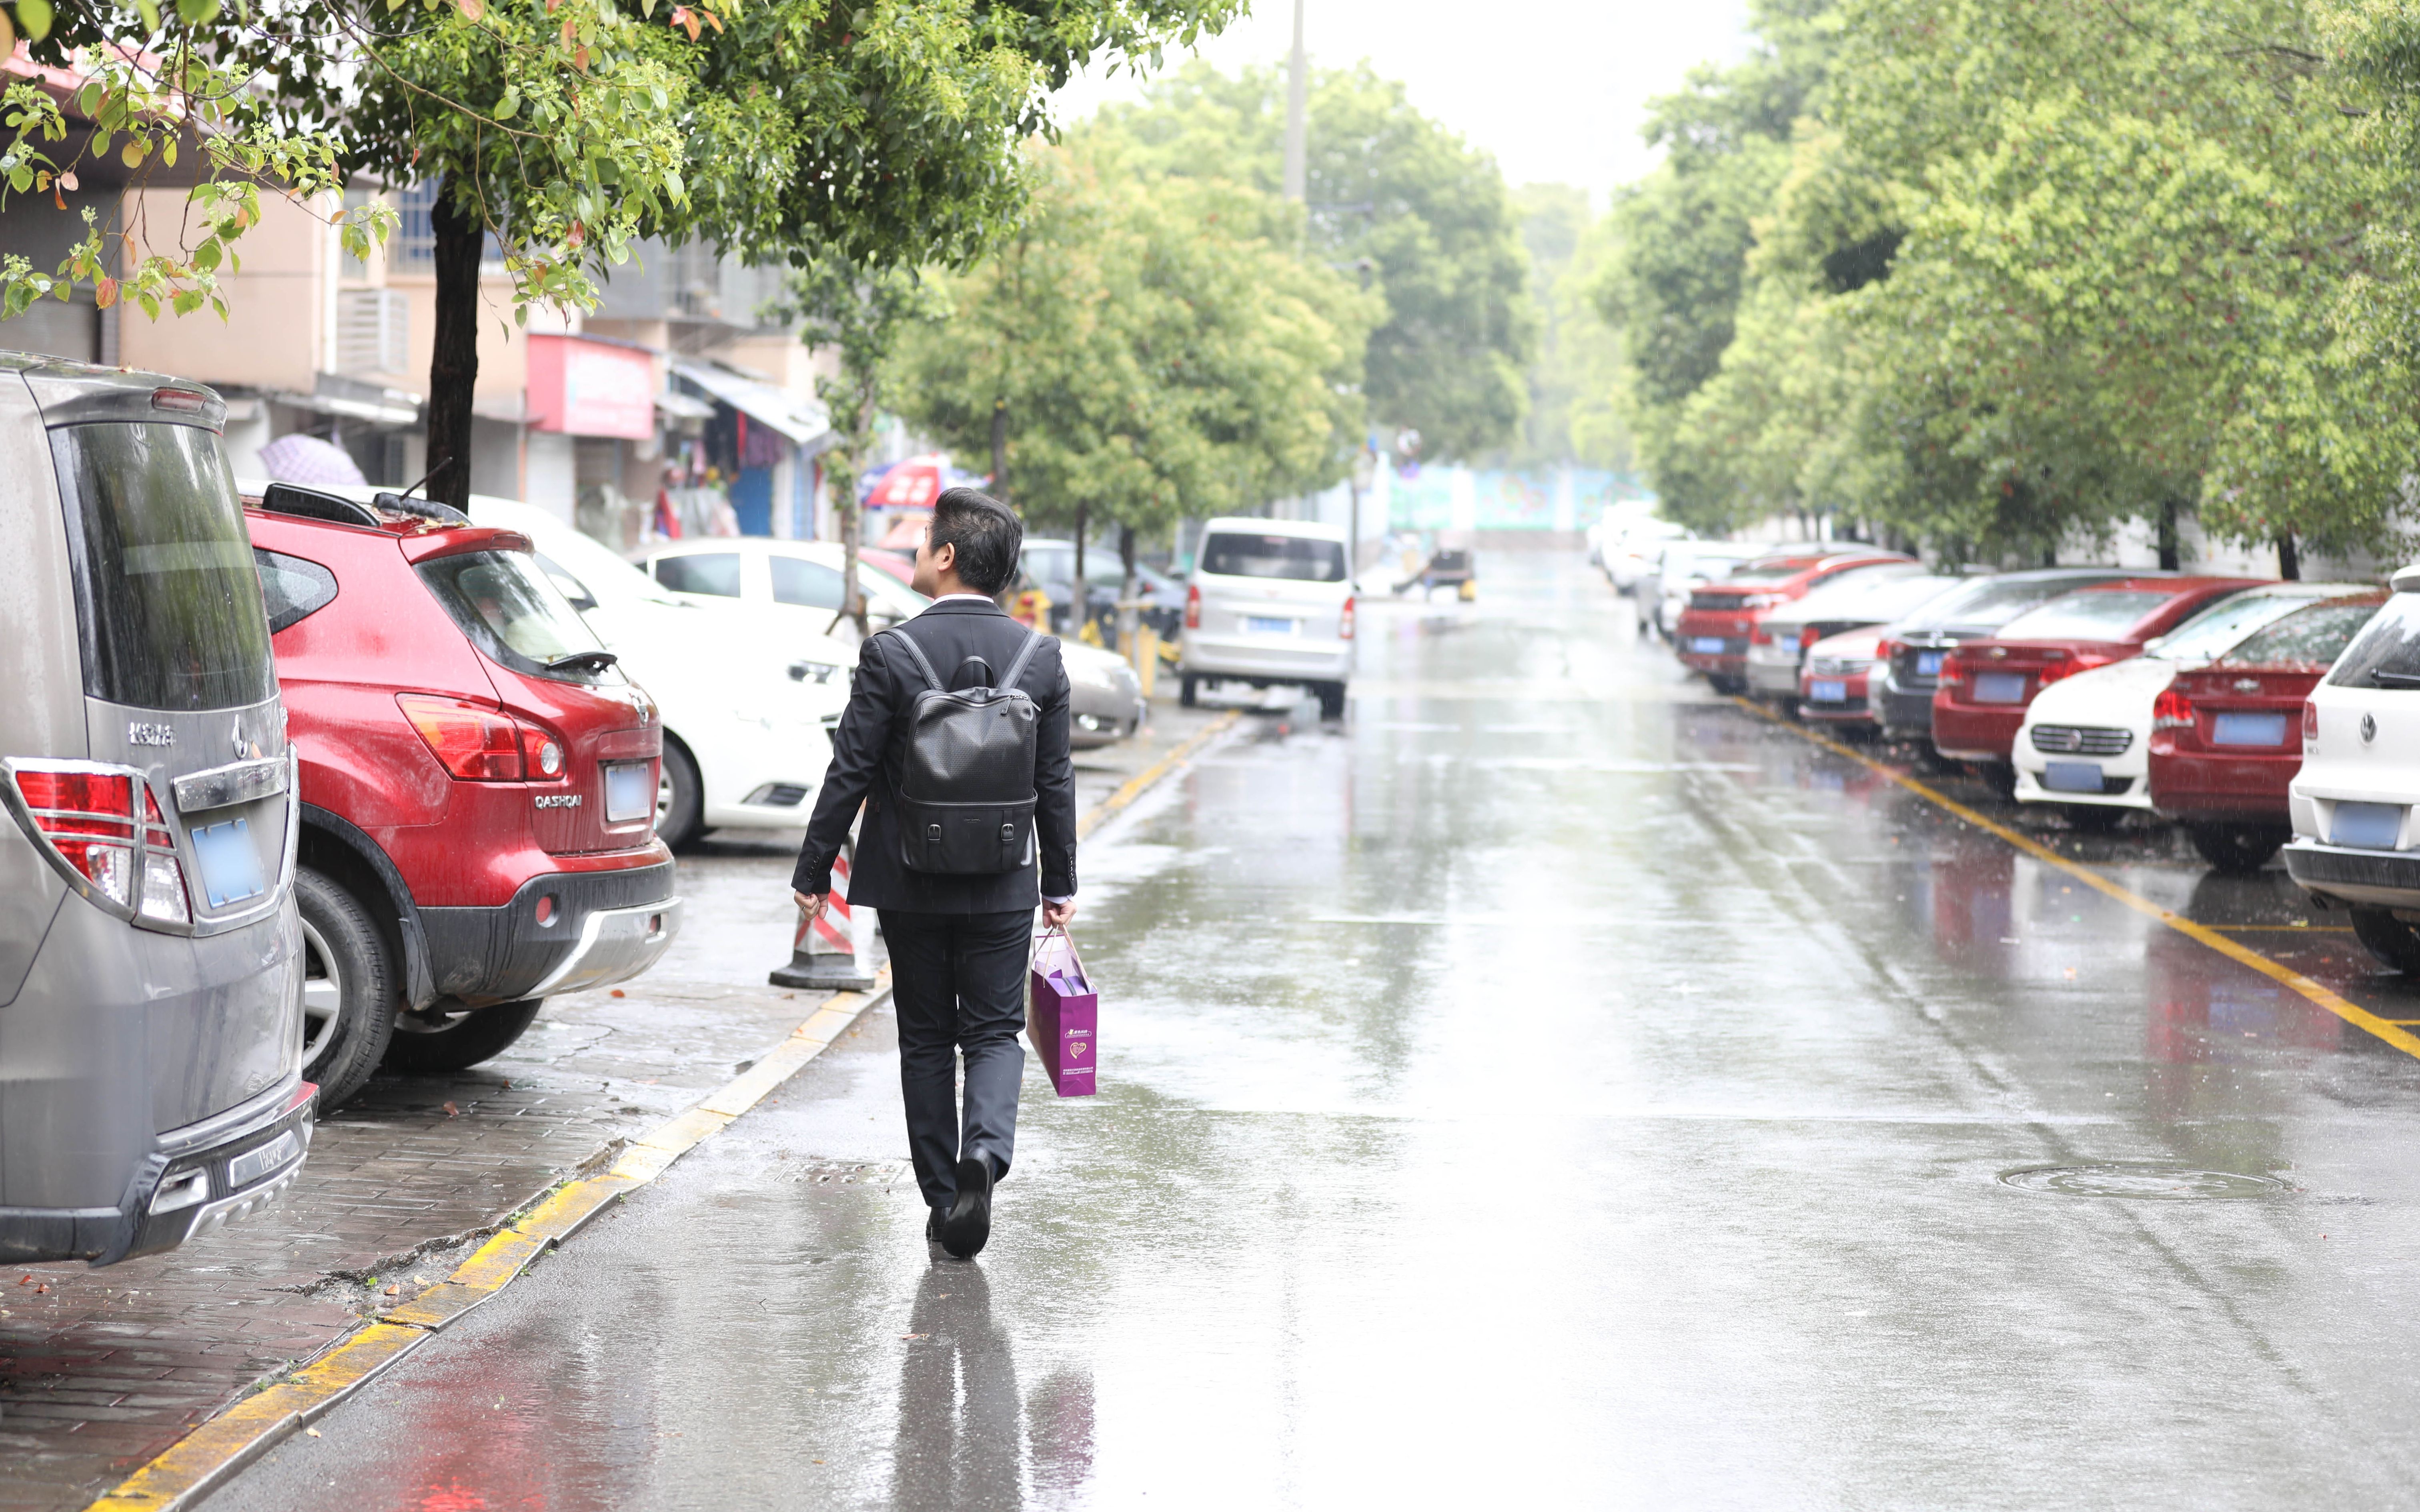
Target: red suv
pixel 479 785
pixel 1713 632
pixel 1980 703
pixel 2226 739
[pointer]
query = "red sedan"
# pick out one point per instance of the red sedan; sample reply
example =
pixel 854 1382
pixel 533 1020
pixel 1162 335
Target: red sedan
pixel 1980 703
pixel 1713 632
pixel 2226 739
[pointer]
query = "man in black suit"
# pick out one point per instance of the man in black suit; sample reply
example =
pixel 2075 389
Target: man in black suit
pixel 959 944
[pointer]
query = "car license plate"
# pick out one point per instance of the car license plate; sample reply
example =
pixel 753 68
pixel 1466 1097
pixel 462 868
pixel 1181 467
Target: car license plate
pixel 1829 692
pixel 1261 624
pixel 1707 645
pixel 1928 663
pixel 630 792
pixel 253 1164
pixel 2248 730
pixel 230 864
pixel 2369 826
pixel 1999 688
pixel 2072 777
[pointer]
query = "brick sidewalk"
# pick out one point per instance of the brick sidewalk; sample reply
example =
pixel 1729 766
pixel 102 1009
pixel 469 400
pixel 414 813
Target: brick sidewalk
pixel 106 1368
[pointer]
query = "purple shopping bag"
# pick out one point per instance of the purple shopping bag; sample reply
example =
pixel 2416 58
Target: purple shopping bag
pixel 1063 1014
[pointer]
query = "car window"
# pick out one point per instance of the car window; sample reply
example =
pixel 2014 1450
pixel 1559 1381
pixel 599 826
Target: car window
pixel 2214 631
pixel 1301 558
pixel 2387 653
pixel 2093 616
pixel 513 612
pixel 1052 564
pixel 2312 636
pixel 807 584
pixel 291 589
pixel 709 572
pixel 573 589
pixel 1989 601
pixel 165 588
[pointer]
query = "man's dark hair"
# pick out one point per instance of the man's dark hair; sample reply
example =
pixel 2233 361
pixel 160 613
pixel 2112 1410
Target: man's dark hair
pixel 987 535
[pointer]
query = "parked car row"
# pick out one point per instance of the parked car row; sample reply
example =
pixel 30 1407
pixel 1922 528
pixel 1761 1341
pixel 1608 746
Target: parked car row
pixel 2259 716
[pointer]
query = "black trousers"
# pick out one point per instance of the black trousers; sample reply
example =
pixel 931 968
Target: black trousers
pixel 957 988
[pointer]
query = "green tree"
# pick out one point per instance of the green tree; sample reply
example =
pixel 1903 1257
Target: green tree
pixel 1142 350
pixel 1570 380
pixel 1393 196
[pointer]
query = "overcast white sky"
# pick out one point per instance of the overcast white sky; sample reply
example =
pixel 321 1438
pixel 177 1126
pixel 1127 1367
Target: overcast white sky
pixel 1554 88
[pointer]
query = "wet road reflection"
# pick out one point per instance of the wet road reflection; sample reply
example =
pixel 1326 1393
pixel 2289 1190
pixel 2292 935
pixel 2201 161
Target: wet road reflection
pixel 1560 1085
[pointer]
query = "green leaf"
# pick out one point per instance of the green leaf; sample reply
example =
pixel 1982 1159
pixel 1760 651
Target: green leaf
pixel 35 17
pixel 150 9
pixel 510 105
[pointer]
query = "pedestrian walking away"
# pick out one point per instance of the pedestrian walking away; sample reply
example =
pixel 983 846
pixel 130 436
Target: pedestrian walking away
pixel 955 743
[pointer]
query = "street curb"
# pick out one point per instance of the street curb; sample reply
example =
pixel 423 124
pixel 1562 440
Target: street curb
pixel 216 1452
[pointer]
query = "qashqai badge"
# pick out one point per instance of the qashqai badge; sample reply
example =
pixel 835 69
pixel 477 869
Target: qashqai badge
pixel 558 800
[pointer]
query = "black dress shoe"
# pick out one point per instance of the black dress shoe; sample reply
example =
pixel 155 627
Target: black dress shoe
pixel 933 1227
pixel 966 1229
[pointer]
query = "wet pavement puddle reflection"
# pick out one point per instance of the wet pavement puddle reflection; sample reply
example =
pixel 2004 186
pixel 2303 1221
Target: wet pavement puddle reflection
pixel 2143 1180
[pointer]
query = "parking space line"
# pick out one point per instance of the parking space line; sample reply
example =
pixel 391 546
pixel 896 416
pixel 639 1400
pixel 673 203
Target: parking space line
pixel 2389 1030
pixel 213 1453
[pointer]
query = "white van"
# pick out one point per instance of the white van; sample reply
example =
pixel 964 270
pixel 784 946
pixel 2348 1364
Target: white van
pixel 1270 602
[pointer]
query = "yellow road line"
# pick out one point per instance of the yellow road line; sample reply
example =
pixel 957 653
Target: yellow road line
pixel 208 1457
pixel 1147 779
pixel 2361 1018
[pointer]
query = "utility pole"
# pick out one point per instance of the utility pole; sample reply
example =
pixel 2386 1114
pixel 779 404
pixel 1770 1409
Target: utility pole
pixel 1297 101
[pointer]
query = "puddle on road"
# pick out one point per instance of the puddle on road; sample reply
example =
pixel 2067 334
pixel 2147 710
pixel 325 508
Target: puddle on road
pixel 2147 1179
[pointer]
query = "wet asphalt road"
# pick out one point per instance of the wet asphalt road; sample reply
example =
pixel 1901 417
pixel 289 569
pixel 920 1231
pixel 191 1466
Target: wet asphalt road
pixel 1560 1084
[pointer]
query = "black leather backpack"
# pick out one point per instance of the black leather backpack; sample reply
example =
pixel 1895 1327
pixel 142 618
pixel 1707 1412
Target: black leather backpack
pixel 966 798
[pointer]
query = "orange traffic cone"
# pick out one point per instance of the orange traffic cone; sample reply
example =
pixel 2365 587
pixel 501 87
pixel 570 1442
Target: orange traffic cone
pixel 830 951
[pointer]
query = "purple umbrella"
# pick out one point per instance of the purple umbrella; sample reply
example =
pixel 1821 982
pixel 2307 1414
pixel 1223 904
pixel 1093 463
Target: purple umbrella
pixel 308 460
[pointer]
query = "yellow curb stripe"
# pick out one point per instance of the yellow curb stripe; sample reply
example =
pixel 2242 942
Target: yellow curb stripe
pixel 212 1454
pixel 2359 1018
pixel 1149 777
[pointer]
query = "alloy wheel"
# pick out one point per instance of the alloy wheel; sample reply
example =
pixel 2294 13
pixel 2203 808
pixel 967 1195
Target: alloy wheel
pixel 323 996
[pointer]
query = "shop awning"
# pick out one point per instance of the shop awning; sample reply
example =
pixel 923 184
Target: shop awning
pixel 803 421
pixel 684 407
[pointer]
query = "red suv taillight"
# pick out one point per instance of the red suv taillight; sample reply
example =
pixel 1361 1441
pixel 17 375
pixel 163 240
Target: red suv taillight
pixel 1345 621
pixel 1808 637
pixel 86 813
pixel 2310 720
pixel 1890 650
pixel 2171 710
pixel 475 744
pixel 1193 606
pixel 1953 672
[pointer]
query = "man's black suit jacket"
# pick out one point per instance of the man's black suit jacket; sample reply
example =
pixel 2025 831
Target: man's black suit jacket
pixel 869 754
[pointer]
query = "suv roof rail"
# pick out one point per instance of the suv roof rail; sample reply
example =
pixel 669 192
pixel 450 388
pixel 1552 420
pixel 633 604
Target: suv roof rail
pixel 310 504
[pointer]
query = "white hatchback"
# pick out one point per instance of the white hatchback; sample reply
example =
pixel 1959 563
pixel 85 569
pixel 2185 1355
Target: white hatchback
pixel 2355 804
pixel 1270 602
pixel 2087 739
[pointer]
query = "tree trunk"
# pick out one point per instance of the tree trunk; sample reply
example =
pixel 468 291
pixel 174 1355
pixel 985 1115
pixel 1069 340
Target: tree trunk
pixel 852 597
pixel 1129 617
pixel 2170 555
pixel 2049 556
pixel 454 363
pixel 999 450
pixel 2290 560
pixel 1083 594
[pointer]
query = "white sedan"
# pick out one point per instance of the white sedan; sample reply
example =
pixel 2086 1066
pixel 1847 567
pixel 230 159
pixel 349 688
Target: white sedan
pixel 2085 741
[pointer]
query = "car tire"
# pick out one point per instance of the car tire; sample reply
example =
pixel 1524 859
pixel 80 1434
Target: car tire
pixel 2387 937
pixel 1331 700
pixel 1726 686
pixel 460 1042
pixel 1189 690
pixel 1999 777
pixel 1931 762
pixel 349 993
pixel 2238 850
pixel 679 800
pixel 2093 818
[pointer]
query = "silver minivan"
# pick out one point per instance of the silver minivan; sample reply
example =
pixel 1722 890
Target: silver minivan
pixel 1270 602
pixel 150 961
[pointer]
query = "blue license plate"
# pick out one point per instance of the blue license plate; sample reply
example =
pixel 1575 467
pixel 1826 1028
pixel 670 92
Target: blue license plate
pixel 1828 692
pixel 1258 625
pixel 2072 777
pixel 2369 826
pixel 1707 645
pixel 1999 688
pixel 230 863
pixel 1928 663
pixel 2248 730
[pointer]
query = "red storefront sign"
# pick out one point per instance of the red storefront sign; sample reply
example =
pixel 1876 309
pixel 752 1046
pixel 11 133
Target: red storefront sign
pixel 581 387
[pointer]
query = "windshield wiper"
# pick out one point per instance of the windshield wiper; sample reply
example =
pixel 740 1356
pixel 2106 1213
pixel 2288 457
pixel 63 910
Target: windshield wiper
pixel 595 662
pixel 2388 679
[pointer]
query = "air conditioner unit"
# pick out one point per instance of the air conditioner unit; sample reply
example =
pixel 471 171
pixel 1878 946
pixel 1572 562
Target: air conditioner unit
pixel 373 326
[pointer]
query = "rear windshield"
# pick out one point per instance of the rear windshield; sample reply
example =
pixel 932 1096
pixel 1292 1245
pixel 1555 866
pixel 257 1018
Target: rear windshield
pixel 2311 636
pixel 170 604
pixel 1992 601
pixel 715 572
pixel 2092 616
pixel 513 612
pixel 1302 558
pixel 2215 630
pixel 2388 655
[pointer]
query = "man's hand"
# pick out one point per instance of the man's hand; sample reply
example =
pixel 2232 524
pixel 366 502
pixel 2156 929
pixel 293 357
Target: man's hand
pixel 1059 915
pixel 813 902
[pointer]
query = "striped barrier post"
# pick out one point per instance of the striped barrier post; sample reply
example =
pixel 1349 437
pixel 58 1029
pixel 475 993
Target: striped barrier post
pixel 831 952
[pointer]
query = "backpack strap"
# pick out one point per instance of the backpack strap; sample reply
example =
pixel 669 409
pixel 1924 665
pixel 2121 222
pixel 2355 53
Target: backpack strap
pixel 917 652
pixel 1024 654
